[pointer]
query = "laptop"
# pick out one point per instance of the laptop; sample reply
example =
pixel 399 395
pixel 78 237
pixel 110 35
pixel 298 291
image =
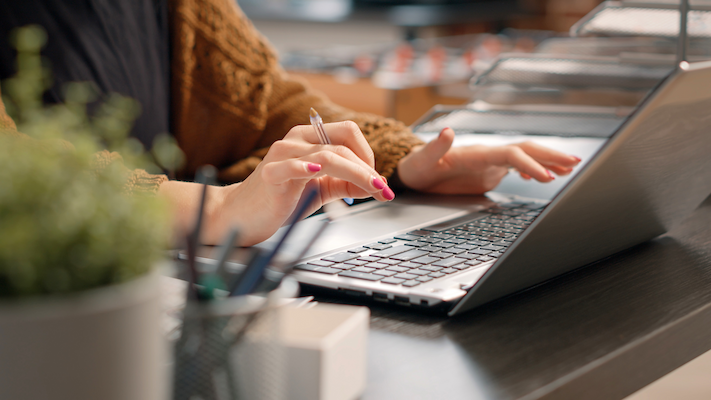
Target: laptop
pixel 459 252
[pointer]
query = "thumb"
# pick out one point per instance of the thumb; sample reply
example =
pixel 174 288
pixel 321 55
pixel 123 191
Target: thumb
pixel 433 151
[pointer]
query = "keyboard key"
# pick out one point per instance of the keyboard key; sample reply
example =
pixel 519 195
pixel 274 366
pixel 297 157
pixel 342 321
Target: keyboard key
pixel 378 246
pixel 454 251
pixel 363 269
pixel 397 268
pixel 440 254
pixel 467 256
pixel 392 251
pixel 321 263
pixel 356 262
pixel 340 257
pixel 477 243
pixel 341 266
pixel 406 276
pixel 409 255
pixel 407 237
pixel 448 262
pixel 461 266
pixel 443 245
pixel 485 258
pixel 416 244
pixel 385 272
pixel 480 252
pixel 369 259
pixel 473 262
pixel 455 241
pixel 314 268
pixel 418 272
pixel 424 279
pixel 411 283
pixel 429 248
pixel 387 241
pixel 358 250
pixel 425 260
pixel 437 274
pixel 495 254
pixel 409 264
pixel 431 268
pixel 375 265
pixel 420 233
pixel 449 270
pixel 361 275
pixel 393 281
pixel 465 247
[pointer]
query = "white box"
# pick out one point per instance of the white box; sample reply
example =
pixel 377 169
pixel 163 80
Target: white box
pixel 326 350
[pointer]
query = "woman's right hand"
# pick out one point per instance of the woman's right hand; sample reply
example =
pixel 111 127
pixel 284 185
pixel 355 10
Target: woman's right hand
pixel 264 201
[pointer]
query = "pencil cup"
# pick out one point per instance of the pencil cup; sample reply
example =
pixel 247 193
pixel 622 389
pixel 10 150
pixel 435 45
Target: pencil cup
pixel 229 349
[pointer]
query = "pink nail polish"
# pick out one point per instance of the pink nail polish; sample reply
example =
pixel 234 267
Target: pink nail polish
pixel 314 167
pixel 388 193
pixel 550 175
pixel 378 183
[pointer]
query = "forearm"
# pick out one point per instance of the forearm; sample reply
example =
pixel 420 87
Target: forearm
pixel 184 198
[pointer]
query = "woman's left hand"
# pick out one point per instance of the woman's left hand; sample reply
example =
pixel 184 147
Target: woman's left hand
pixel 437 167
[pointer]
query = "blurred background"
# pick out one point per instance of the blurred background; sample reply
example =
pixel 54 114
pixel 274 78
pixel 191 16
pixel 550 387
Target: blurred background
pixel 398 58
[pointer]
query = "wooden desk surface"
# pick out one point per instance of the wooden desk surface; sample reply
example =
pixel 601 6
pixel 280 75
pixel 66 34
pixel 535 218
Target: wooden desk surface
pixel 600 332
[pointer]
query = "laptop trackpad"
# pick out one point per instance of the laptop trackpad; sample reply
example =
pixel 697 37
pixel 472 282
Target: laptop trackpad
pixel 364 225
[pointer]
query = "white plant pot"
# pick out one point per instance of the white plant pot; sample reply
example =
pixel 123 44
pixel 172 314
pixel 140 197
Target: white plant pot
pixel 103 344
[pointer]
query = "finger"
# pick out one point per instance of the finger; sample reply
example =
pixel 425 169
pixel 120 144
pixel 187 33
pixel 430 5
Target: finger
pixel 519 159
pixel 333 188
pixel 345 133
pixel 279 172
pixel 339 167
pixel 558 170
pixel 284 149
pixel 433 151
pixel 525 176
pixel 548 156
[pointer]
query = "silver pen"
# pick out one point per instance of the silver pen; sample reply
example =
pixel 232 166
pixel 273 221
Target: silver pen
pixel 317 123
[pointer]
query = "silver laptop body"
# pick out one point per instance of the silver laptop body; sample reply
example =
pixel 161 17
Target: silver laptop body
pixel 650 175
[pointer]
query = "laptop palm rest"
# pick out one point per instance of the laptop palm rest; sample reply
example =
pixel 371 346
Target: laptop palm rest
pixel 365 223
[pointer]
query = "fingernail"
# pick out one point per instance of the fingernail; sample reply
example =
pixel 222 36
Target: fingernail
pixel 578 159
pixel 444 129
pixel 550 175
pixel 313 167
pixel 378 183
pixel 388 193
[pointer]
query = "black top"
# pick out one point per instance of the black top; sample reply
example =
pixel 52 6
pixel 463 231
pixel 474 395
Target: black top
pixel 120 45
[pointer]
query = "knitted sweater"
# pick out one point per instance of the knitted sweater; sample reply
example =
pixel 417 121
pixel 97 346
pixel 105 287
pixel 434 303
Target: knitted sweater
pixel 231 100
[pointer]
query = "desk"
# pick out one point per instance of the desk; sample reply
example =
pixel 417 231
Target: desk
pixel 600 332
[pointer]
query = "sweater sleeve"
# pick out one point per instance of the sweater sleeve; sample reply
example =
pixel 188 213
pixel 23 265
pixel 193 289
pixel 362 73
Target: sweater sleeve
pixel 232 100
pixel 138 181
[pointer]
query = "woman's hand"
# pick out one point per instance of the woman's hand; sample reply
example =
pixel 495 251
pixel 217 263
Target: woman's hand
pixel 437 167
pixel 266 199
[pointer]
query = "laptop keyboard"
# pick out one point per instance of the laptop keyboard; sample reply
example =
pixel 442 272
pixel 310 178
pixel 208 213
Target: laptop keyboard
pixel 433 252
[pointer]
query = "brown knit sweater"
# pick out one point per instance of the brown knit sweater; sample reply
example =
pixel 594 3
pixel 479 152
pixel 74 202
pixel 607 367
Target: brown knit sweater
pixel 231 100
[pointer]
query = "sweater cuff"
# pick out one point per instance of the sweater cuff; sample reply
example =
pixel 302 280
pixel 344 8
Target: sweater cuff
pixel 141 182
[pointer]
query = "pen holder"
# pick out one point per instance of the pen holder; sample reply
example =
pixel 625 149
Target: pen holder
pixel 229 349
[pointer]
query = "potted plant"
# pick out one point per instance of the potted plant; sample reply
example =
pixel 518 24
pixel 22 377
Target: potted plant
pixel 79 303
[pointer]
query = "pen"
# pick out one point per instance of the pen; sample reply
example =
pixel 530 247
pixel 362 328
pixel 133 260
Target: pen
pixel 254 272
pixel 317 123
pixel 206 176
